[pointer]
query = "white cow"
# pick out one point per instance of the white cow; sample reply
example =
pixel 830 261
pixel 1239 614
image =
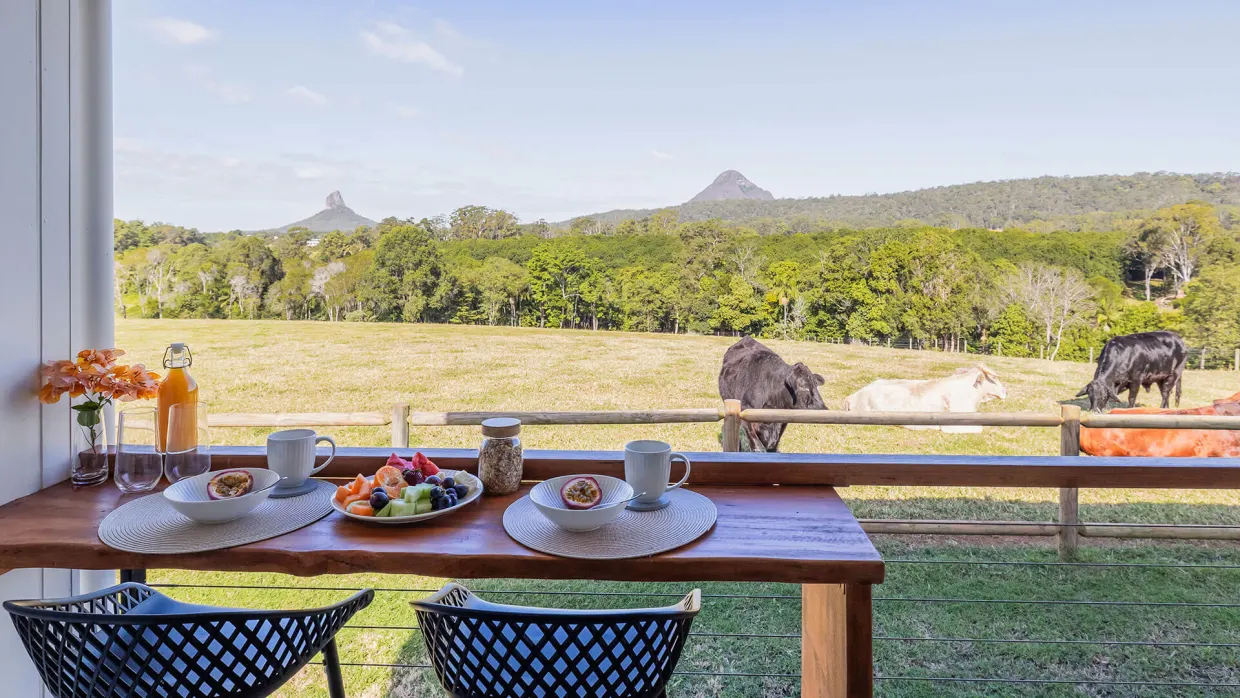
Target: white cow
pixel 962 391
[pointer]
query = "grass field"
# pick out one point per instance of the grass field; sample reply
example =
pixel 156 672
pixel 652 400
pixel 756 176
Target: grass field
pixel 246 366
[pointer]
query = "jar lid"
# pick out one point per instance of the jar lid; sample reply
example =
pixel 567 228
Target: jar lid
pixel 501 427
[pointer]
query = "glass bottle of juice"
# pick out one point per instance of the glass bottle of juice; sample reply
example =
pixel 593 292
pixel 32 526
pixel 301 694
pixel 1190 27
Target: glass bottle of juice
pixel 178 388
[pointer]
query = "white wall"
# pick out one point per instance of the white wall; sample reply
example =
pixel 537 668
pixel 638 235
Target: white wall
pixel 55 278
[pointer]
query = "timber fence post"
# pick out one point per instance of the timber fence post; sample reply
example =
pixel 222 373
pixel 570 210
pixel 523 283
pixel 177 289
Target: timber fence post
pixel 1201 363
pixel 400 425
pixel 1091 355
pixel 1235 364
pixel 731 425
pixel 1069 516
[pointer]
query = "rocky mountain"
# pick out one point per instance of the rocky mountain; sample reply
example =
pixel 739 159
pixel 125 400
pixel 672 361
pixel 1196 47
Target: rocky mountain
pixel 732 185
pixel 337 216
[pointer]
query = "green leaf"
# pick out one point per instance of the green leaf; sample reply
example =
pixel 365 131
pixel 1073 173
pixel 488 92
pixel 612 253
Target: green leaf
pixel 89 418
pixel 88 406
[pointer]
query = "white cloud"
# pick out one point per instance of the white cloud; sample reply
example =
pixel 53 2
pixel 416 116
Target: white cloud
pixel 393 41
pixel 660 155
pixel 408 112
pixel 180 31
pixel 306 95
pixel 446 31
pixel 229 92
pixel 310 172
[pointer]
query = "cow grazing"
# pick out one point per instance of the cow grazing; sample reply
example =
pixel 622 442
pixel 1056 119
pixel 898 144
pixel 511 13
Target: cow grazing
pixel 1133 361
pixel 962 391
pixel 1167 443
pixel 760 379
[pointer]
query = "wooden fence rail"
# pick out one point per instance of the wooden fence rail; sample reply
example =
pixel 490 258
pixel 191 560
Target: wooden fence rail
pixel 1069 421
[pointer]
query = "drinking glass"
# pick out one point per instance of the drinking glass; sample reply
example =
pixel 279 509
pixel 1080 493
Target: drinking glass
pixel 139 465
pixel 188 444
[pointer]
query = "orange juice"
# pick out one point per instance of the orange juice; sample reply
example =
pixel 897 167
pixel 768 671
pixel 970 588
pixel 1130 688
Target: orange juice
pixel 178 388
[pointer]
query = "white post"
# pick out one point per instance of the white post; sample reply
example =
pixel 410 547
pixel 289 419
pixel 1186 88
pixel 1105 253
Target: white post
pixel 90 159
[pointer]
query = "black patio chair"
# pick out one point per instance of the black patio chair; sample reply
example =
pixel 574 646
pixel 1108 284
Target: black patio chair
pixel 130 641
pixel 487 650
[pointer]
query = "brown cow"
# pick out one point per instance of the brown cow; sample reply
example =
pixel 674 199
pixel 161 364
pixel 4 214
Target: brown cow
pixel 1171 443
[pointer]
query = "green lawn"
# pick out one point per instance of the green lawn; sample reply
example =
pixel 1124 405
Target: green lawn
pixel 278 366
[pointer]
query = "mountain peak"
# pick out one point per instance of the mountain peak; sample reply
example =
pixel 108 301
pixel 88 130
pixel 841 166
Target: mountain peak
pixel 731 184
pixel 336 216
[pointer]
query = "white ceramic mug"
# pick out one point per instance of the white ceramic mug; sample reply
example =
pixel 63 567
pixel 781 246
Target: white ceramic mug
pixel 648 467
pixel 290 454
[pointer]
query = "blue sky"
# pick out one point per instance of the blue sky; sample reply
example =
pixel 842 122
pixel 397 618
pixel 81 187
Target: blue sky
pixel 247 114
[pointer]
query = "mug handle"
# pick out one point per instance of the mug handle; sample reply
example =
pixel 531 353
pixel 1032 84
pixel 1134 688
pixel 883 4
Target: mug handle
pixel 684 479
pixel 330 440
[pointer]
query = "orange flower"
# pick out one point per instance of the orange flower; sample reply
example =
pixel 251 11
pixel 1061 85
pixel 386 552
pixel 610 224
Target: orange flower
pixel 129 383
pixel 96 374
pixel 100 359
pixel 58 378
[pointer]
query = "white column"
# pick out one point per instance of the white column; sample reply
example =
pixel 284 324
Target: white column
pixel 91 230
pixel 55 282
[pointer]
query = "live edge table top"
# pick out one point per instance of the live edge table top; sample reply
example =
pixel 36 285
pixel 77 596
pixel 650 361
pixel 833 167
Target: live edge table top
pixel 797 534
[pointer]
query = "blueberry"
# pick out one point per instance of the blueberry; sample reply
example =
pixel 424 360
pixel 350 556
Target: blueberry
pixel 437 492
pixel 437 504
pixel 379 499
pixel 448 483
pixel 433 480
pixel 461 490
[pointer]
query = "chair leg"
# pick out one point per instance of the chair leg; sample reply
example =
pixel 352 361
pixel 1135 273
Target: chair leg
pixel 331 665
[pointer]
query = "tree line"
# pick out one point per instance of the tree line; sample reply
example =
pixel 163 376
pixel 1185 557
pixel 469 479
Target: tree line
pixel 1031 293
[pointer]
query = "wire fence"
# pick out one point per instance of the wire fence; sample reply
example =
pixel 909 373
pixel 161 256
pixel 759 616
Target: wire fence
pixel 1182 633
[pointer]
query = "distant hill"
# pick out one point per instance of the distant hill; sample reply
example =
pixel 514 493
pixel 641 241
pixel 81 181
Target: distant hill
pixel 1005 203
pixel 337 216
pixel 732 185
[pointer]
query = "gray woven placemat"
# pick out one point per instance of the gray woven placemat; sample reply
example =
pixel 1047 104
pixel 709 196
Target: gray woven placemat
pixel 632 534
pixel 151 525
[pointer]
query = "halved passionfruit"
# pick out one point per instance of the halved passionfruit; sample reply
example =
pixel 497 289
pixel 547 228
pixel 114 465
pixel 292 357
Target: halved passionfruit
pixel 229 484
pixel 581 493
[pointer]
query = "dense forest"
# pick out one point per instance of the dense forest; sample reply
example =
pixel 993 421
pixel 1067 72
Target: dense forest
pixel 1021 292
pixel 1042 204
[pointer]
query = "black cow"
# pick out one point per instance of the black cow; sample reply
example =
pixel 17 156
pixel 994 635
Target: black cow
pixel 760 379
pixel 1134 361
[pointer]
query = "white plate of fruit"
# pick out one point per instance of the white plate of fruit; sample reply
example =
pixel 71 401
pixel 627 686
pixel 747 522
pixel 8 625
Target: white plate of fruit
pixel 406 491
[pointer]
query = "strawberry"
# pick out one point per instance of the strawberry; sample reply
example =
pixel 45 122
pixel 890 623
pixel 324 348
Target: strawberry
pixel 425 464
pixel 398 462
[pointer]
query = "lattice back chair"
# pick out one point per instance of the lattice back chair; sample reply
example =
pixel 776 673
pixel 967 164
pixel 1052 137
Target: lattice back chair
pixel 487 650
pixel 130 641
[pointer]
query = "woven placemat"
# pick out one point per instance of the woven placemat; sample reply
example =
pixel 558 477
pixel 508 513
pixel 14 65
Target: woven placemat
pixel 151 525
pixel 632 534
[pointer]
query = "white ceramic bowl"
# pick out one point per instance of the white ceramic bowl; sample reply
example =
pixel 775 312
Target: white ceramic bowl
pixel 546 496
pixel 189 496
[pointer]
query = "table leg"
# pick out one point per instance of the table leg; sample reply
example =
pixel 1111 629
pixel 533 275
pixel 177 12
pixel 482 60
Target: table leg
pixel 138 576
pixel 837 638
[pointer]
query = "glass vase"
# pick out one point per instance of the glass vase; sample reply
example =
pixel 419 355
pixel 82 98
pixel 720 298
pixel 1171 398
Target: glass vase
pixel 89 466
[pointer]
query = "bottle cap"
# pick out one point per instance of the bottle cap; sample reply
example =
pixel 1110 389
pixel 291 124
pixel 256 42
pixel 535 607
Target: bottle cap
pixel 178 346
pixel 501 427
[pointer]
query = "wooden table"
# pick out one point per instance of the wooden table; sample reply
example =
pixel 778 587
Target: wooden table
pixel 798 534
